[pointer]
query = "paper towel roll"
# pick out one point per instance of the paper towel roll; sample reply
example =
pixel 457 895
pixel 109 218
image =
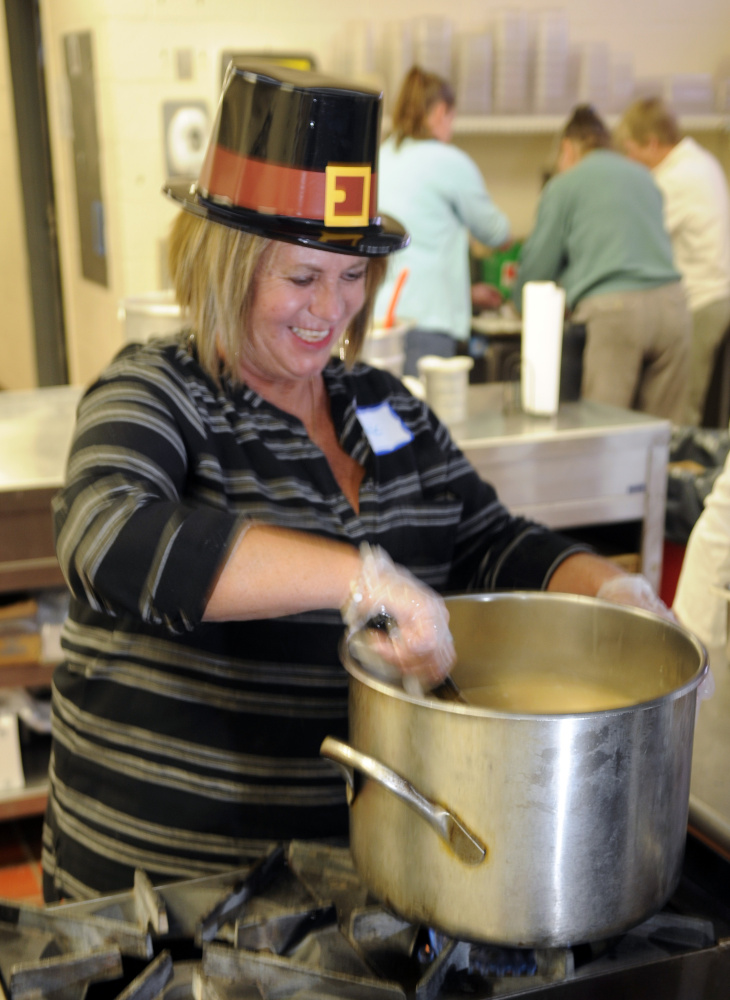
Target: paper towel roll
pixel 543 311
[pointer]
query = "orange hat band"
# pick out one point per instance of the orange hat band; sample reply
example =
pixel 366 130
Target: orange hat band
pixel 342 195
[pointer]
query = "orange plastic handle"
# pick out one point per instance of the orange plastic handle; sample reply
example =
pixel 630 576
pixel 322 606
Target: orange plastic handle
pixel 390 314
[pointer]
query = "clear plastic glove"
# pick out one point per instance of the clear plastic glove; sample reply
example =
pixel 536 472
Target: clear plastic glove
pixel 419 644
pixel 635 590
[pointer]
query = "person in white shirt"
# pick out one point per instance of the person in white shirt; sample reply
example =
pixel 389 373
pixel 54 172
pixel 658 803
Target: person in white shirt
pixel 697 217
pixel 699 603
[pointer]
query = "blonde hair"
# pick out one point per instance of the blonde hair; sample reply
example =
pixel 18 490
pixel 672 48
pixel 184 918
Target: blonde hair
pixel 647 118
pixel 419 92
pixel 214 270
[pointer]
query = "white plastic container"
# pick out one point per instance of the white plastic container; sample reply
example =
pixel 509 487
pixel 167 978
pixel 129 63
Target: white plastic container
pixel 511 62
pixel 552 50
pixel 432 44
pixel 594 75
pixel 446 381
pixel 149 315
pixel 473 73
pixel 386 348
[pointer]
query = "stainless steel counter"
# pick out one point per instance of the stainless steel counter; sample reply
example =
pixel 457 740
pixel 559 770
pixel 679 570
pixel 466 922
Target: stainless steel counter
pixel 589 464
pixel 35 433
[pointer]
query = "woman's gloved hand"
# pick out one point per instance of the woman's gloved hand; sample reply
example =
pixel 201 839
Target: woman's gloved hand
pixel 636 591
pixel 419 644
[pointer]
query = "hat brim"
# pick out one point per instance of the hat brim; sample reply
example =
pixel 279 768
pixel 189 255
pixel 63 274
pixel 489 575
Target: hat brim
pixel 378 240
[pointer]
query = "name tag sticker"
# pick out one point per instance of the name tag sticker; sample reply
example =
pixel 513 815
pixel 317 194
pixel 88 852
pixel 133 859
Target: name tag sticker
pixel 383 428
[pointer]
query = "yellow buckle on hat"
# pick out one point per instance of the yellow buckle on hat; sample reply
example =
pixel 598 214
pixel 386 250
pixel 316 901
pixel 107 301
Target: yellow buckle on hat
pixel 341 197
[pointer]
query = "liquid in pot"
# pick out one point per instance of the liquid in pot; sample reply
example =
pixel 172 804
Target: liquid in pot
pixel 541 693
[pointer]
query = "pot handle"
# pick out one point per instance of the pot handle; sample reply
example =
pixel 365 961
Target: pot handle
pixel 463 843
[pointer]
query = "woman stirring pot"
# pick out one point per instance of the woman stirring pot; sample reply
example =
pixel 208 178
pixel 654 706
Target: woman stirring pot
pixel 234 493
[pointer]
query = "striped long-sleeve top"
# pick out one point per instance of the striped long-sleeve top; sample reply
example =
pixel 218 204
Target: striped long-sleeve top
pixel 183 747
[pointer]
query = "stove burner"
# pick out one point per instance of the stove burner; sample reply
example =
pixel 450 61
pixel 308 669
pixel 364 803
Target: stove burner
pixel 300 924
pixel 488 961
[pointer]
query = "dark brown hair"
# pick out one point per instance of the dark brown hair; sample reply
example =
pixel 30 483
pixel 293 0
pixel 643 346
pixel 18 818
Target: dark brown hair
pixel 418 94
pixel 586 128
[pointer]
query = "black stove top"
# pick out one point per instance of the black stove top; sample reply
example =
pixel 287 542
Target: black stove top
pixel 300 924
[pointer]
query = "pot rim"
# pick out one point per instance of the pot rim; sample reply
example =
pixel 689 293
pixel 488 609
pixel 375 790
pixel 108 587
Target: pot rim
pixel 393 688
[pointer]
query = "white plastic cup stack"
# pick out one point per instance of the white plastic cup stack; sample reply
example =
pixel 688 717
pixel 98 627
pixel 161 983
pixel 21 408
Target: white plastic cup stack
pixel 432 44
pixel 152 314
pixel 511 62
pixel 386 348
pixel 622 81
pixel 594 75
pixel 552 52
pixel 446 381
pixel 473 73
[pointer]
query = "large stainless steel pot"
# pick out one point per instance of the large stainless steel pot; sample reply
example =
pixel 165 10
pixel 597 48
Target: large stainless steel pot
pixel 528 830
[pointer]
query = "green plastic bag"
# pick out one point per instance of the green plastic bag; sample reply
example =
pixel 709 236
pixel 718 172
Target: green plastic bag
pixel 499 268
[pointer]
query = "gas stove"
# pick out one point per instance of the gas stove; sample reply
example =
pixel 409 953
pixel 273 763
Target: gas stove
pixel 299 923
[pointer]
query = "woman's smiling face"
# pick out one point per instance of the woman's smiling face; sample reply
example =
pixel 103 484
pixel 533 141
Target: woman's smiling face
pixel 304 300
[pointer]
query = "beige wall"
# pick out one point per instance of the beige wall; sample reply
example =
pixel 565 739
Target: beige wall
pixel 135 47
pixel 17 351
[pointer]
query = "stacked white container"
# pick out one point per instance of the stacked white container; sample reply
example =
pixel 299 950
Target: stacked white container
pixel 550 87
pixel 594 75
pixel 722 96
pixel 511 62
pixel 473 73
pixel 356 51
pixel 690 93
pixel 432 44
pixel 397 57
pixel 648 86
pixel 148 315
pixel 622 81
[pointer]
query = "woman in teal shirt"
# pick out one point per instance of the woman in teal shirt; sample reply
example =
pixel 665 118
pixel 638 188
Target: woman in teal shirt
pixel 439 195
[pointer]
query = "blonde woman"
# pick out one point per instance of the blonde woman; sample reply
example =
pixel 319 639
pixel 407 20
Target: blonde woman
pixel 235 496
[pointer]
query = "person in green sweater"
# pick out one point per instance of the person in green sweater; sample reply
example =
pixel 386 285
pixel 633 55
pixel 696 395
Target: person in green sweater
pixel 600 234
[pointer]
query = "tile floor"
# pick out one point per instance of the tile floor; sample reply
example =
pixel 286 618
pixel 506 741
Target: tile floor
pixel 20 860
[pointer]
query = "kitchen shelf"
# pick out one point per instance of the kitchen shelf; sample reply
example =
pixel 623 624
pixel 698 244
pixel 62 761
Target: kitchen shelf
pixel 27 675
pixel 35 432
pixel 552 124
pixel 531 124
pixel 21 662
pixel 29 799
pixel 17 803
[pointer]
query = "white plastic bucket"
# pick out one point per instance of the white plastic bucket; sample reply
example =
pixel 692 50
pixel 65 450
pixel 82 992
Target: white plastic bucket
pixel 149 315
pixel 386 348
pixel 446 381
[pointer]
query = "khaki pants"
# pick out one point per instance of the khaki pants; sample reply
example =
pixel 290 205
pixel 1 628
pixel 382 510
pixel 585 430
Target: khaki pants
pixel 709 325
pixel 637 350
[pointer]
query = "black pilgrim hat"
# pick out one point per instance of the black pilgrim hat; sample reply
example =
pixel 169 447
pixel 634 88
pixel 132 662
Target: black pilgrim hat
pixel 293 156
